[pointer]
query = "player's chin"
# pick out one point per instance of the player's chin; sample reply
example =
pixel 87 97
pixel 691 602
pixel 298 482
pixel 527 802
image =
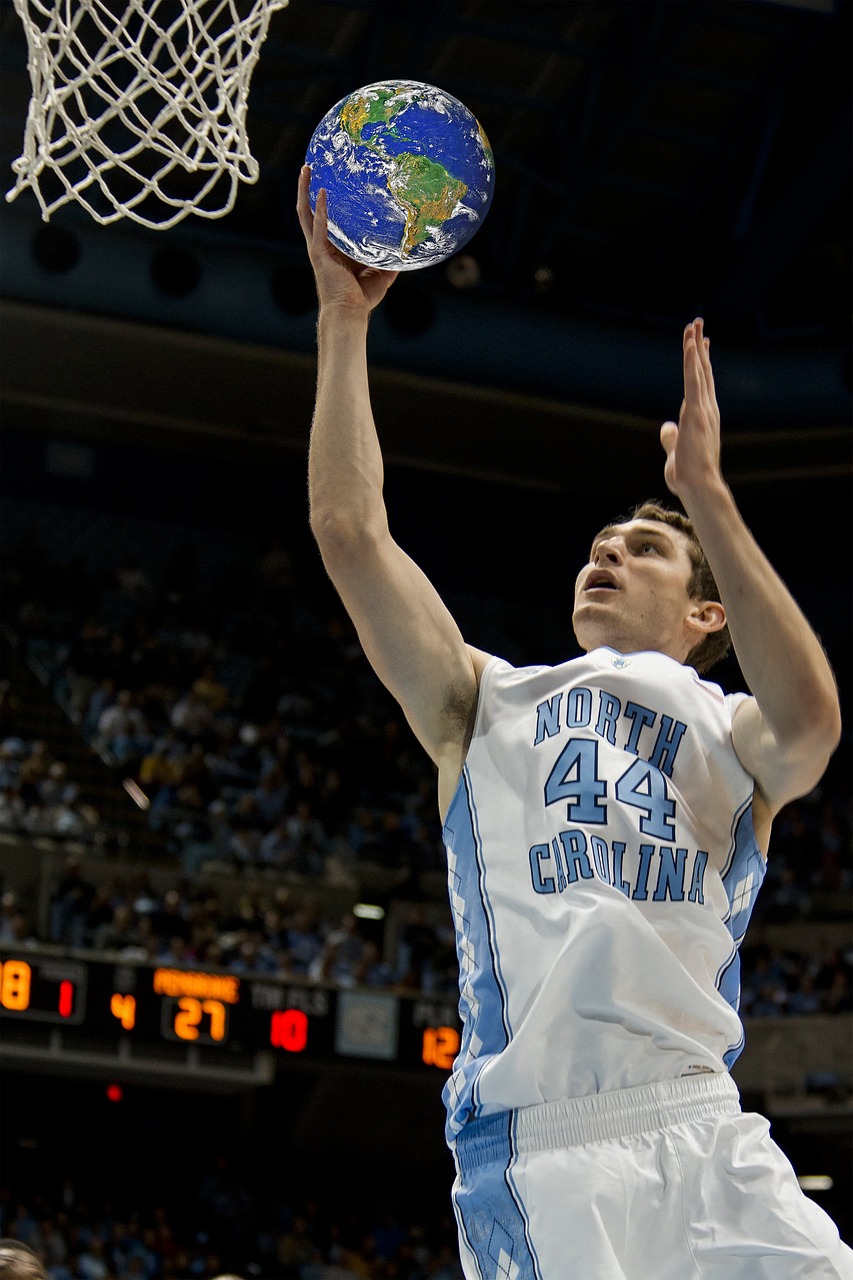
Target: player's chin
pixel 590 622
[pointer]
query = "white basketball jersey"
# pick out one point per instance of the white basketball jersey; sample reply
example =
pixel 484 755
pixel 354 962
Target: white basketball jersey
pixel 602 869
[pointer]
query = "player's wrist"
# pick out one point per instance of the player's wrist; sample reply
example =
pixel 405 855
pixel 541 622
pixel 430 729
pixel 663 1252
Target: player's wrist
pixel 342 314
pixel 711 508
pixel 706 490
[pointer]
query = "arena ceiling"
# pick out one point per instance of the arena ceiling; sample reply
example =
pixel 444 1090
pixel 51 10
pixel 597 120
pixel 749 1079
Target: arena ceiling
pixel 654 161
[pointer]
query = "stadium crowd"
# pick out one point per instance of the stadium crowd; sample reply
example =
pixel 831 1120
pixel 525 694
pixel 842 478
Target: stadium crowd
pixel 79 1234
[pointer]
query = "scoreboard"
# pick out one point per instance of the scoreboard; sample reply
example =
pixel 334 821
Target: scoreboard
pixel 148 1004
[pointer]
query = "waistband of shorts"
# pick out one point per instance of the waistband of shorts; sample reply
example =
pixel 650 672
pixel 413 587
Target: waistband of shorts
pixel 573 1122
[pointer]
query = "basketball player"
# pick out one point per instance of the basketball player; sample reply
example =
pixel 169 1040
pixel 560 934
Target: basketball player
pixel 606 824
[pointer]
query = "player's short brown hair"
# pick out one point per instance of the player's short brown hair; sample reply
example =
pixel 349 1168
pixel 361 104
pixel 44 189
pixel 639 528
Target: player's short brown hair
pixel 701 585
pixel 19 1262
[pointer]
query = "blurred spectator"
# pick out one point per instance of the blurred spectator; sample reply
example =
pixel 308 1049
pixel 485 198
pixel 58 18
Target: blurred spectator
pixel 192 716
pixel 341 954
pixel 211 690
pixel 92 1262
pixel 86 662
pixel 119 932
pixel 122 730
pixel 231 1231
pixel 70 906
pixel 34 770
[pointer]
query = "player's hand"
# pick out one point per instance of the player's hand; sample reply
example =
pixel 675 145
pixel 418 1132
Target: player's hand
pixel 692 445
pixel 340 280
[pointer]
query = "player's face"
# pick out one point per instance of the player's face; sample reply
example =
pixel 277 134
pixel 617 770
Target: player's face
pixel 633 593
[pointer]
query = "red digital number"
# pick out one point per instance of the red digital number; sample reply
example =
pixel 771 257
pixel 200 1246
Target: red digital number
pixel 289 1030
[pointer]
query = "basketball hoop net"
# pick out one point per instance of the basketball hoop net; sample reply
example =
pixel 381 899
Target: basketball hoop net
pixel 138 107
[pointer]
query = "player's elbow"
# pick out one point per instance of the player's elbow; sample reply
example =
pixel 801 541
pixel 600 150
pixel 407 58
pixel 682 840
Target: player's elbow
pixel 345 537
pixel 809 757
pixel 826 720
pixel 815 725
pixel 831 730
pixel 834 727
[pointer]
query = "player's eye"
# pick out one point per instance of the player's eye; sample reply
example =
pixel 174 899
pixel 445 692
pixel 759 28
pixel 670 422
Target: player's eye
pixel 645 547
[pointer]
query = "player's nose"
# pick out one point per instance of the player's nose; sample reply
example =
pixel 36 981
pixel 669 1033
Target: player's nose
pixel 609 551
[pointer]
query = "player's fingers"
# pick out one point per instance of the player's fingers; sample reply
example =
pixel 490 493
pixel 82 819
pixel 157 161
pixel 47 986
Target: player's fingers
pixel 669 436
pixel 321 213
pixel 708 368
pixel 694 382
pixel 303 203
pixel 703 350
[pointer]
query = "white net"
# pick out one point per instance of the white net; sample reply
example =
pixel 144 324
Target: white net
pixel 138 107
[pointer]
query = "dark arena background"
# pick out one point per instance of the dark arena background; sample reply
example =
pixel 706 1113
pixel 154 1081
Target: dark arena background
pixel 227 996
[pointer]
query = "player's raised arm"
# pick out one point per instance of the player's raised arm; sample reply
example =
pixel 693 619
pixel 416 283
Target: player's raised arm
pixel 787 734
pixel 409 636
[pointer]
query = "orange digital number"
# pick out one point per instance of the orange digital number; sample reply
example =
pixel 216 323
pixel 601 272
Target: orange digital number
pixel 189 1016
pixel 440 1047
pixel 215 1010
pixel 15 984
pixel 124 1008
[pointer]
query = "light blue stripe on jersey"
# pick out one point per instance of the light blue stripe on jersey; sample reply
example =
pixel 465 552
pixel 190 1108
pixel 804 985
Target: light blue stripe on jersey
pixel 742 878
pixel 492 1218
pixel 743 873
pixel 483 997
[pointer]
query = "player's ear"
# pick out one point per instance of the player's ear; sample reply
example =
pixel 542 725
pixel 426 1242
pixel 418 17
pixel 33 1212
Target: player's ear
pixel 705 617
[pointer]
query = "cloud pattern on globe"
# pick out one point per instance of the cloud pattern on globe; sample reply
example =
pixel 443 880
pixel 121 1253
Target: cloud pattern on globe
pixel 408 171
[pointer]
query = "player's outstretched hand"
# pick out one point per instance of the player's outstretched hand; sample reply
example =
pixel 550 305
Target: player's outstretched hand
pixel 340 280
pixel 692 445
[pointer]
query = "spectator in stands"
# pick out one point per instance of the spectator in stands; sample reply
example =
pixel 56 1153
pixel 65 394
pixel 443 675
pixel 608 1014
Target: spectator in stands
pixel 34 770
pixel 92 1261
pixel 70 906
pixel 270 796
pixel 85 664
pixel 11 750
pixel 101 910
pixel 341 955
pixel 304 939
pixel 419 945
pixel 210 689
pixel 21 933
pixel 254 955
pixel 161 768
pixel 176 954
pixel 122 730
pixel 192 717
pixel 56 789
pixel 169 920
pixel 54 1245
pixel 371 970
pixel 120 932
pixel 244 843
pixel 307 838
pixel 103 696
pixel 13 808
pixel 275 848
pixel 131 578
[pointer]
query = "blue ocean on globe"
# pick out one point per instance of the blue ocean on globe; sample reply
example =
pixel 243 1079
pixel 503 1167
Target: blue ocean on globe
pixel 408 171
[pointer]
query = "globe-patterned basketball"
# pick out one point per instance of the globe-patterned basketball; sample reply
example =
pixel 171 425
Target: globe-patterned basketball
pixel 408 171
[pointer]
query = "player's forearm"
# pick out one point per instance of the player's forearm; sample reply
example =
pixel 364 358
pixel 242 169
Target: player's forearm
pixel 780 656
pixel 345 471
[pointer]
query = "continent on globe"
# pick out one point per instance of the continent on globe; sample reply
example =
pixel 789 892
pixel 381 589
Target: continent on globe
pixel 427 193
pixel 408 171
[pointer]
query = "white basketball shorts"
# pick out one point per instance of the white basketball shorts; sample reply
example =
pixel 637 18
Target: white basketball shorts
pixel 668 1181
